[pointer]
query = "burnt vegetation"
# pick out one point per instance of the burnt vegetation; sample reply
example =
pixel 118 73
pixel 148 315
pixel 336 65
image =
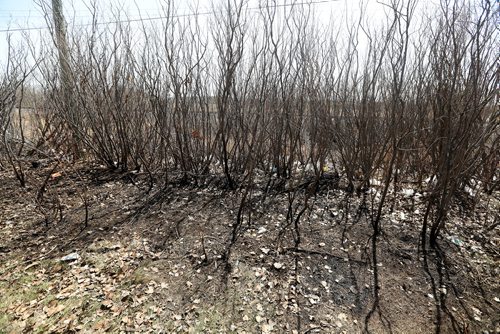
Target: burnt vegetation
pixel 260 104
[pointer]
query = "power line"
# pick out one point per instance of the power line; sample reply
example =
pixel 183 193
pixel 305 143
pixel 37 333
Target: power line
pixel 173 16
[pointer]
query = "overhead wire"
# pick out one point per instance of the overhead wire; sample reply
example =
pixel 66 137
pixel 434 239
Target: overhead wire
pixel 161 17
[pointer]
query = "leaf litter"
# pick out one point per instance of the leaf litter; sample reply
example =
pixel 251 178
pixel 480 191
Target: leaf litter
pixel 161 275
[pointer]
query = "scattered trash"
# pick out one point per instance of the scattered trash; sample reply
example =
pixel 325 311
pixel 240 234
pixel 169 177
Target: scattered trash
pixel 456 241
pixel 265 250
pixel 313 299
pixel 408 192
pixel 278 265
pixel 70 257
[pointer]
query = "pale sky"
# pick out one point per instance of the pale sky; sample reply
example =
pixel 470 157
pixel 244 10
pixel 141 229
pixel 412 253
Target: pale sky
pixel 17 15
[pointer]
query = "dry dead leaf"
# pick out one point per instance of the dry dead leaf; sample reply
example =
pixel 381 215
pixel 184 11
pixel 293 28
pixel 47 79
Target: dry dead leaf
pixel 102 325
pixel 50 311
pixel 107 304
pixel 55 175
pixel 267 328
pixel 139 318
pixel 126 296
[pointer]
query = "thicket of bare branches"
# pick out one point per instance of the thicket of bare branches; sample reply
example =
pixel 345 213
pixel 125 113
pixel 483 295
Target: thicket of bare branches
pixel 12 84
pixel 269 91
